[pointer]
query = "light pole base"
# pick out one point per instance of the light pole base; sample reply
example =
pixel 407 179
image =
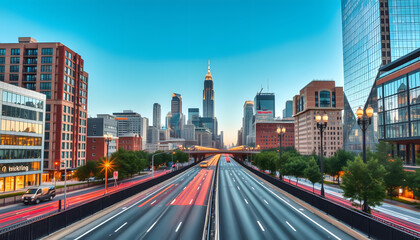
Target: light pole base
pixel 322 191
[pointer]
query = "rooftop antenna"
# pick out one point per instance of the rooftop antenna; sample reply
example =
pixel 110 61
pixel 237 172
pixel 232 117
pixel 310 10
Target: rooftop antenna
pixel 268 85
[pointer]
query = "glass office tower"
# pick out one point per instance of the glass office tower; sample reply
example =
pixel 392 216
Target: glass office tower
pixel 375 32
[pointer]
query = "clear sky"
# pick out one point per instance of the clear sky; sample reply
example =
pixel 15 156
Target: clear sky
pixel 139 52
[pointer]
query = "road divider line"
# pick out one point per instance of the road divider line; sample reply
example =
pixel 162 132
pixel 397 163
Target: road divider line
pixel 261 226
pixel 177 228
pixel 191 201
pixel 238 188
pixel 153 202
pixel 120 227
pixel 246 201
pixel 173 201
pixel 297 210
pixel 291 226
pixel 150 228
pixel 265 201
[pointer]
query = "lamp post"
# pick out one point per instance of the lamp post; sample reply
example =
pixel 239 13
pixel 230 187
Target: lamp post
pixel 364 119
pixel 108 139
pixel 322 125
pixel 65 184
pixel 280 131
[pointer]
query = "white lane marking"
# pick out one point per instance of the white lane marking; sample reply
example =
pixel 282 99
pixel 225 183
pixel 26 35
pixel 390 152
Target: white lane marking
pixel 134 204
pixel 246 201
pixel 310 219
pixel 150 228
pixel 179 225
pixel 198 188
pixel 173 201
pixel 191 201
pixel 233 179
pixel 265 201
pixel 238 188
pixel 301 209
pixel 260 226
pixel 124 208
pixel 291 226
pixel 153 202
pixel 120 227
pixel 253 188
pixel 184 188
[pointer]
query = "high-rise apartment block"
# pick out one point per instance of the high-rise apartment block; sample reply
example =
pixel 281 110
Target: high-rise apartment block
pixel 247 121
pixel 58 72
pixel 131 122
pixel 97 129
pixel 375 32
pixel 318 98
pixel 22 137
pixel 157 121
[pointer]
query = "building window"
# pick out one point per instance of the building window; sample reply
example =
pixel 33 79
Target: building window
pixel 46 60
pixel 333 99
pixel 325 99
pixel 46 68
pixel 14 60
pixel 14 77
pixel 15 51
pixel 316 99
pixel 46 77
pixel 32 52
pixel 1 69
pixel 47 51
pixel 14 68
pixel 2 60
pixel 2 52
pixel 45 86
pixel 2 77
pixel 47 93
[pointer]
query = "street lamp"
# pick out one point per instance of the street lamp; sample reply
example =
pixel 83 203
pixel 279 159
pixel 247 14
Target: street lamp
pixel 364 119
pixel 322 125
pixel 280 131
pixel 108 139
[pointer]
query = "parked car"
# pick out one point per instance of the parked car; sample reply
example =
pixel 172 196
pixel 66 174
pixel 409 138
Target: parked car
pixel 38 194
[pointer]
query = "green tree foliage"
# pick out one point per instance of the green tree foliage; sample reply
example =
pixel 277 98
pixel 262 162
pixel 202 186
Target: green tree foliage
pixel 395 176
pixel 362 180
pixel 266 160
pixel 334 164
pixel 312 172
pixel 284 160
pixel 180 156
pixel 296 167
pixel 412 182
pixel 88 170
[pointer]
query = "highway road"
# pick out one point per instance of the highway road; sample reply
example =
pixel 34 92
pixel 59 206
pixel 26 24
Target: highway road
pixel 251 209
pixel 176 210
pixel 16 213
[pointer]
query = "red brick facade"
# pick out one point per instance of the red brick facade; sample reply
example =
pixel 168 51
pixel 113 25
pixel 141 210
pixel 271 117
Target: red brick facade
pixel 130 143
pixel 267 137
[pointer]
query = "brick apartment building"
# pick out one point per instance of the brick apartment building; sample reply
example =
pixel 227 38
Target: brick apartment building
pixel 130 142
pixel 267 137
pixel 318 97
pixel 58 72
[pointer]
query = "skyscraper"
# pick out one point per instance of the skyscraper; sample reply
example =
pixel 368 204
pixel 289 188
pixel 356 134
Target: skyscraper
pixel 375 32
pixel 288 109
pixel 208 95
pixel 58 72
pixel 247 120
pixel 264 103
pixel 176 103
pixel 157 115
pixel 194 116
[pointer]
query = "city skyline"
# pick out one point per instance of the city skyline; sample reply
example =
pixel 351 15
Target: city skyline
pixel 247 52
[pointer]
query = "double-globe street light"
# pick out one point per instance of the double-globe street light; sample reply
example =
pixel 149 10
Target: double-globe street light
pixel 321 124
pixel 280 131
pixel 364 119
pixel 107 164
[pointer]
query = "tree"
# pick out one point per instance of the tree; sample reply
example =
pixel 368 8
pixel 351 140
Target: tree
pixel 284 160
pixel 88 170
pixel 412 182
pixel 334 164
pixel 395 176
pixel 364 181
pixel 312 172
pixel 296 167
pixel 266 160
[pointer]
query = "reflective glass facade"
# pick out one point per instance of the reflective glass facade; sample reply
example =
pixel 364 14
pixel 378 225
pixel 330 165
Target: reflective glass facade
pixel 374 33
pixel 265 102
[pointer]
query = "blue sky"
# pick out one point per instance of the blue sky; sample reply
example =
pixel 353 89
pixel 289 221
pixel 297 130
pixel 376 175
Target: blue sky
pixel 139 52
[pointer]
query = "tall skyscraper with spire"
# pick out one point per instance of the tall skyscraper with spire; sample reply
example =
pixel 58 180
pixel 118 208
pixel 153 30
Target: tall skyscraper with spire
pixel 208 95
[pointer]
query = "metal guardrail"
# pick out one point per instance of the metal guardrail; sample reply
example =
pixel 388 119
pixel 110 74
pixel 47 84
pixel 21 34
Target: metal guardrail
pixel 208 232
pixel 44 225
pixel 372 227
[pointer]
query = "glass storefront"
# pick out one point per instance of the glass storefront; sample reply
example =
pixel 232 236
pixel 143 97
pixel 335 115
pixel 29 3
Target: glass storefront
pixel 18 182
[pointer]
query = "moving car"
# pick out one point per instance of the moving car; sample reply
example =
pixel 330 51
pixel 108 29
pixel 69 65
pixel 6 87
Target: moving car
pixel 38 194
pixel 228 160
pixel 204 164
